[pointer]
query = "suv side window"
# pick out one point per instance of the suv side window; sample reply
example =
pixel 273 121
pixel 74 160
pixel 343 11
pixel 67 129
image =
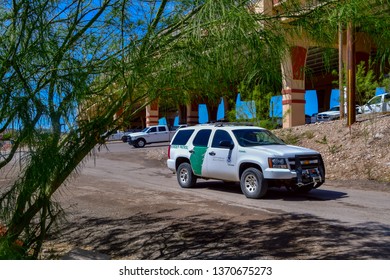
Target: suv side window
pixel 202 138
pixel 220 135
pixel 182 137
pixel 387 98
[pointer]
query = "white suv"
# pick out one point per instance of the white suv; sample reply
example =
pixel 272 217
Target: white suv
pixel 250 155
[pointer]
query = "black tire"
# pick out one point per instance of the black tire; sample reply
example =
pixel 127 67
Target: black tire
pixel 140 143
pixel 124 139
pixel 185 176
pixel 253 184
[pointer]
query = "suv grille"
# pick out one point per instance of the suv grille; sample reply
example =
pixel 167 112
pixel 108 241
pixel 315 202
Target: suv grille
pixel 305 162
pixel 309 169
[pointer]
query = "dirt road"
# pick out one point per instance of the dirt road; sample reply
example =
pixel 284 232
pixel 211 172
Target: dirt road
pixel 128 205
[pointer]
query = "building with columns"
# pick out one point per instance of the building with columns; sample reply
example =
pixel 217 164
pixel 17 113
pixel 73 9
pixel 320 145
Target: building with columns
pixel 304 57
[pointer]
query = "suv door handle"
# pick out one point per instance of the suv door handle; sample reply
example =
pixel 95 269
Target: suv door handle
pixel 212 154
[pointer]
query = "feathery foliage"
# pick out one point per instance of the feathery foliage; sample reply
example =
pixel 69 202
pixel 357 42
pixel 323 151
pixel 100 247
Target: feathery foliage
pixel 67 67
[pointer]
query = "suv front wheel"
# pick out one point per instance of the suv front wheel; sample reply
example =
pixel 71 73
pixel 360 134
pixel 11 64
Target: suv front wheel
pixel 185 177
pixel 253 184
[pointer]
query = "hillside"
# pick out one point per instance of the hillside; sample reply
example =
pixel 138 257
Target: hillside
pixel 359 152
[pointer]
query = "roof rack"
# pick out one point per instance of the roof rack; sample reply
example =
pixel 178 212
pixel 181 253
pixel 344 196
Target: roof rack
pixel 223 123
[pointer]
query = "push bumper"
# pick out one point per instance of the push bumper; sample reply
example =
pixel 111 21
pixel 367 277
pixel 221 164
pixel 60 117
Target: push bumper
pixel 304 170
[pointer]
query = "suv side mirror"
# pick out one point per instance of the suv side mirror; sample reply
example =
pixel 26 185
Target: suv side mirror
pixel 226 144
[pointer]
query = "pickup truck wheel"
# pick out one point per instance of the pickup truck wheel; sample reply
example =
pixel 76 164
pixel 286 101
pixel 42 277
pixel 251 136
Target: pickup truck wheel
pixel 253 184
pixel 140 143
pixel 185 176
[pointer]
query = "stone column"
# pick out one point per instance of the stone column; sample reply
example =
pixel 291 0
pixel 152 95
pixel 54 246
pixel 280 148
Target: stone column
pixel 192 114
pixel 294 87
pixel 152 114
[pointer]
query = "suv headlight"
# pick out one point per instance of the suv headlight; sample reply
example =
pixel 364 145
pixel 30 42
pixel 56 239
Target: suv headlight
pixel 277 163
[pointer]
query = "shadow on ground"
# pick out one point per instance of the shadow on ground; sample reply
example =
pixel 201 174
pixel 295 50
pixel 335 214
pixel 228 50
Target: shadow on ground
pixel 274 193
pixel 162 236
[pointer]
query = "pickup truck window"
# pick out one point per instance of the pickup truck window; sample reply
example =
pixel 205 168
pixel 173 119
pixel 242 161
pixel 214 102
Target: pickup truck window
pixel 220 135
pixel 162 128
pixel 182 137
pixel 153 129
pixel 202 138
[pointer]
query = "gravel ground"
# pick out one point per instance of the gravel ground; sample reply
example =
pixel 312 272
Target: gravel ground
pixel 146 224
pixel 159 225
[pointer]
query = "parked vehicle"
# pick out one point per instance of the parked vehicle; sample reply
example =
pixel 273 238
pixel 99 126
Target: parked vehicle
pixel 330 115
pixel 125 136
pixel 377 104
pixel 116 136
pixel 252 156
pixel 149 135
pixel 334 113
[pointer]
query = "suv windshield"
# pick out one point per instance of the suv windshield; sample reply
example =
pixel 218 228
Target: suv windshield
pixel 256 137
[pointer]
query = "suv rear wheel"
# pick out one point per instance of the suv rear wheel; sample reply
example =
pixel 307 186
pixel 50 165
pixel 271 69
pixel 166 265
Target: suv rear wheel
pixel 185 176
pixel 253 184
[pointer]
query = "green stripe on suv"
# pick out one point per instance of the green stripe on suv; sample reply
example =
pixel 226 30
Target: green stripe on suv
pixel 196 159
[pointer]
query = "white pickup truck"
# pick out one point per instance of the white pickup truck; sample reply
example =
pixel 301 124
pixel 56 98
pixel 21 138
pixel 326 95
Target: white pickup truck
pixel 149 135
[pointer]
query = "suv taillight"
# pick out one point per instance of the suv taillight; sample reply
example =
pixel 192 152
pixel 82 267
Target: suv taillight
pixel 169 151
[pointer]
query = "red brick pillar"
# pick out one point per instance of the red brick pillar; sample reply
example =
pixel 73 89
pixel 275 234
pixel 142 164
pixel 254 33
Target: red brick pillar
pixel 192 114
pixel 152 114
pixel 294 87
